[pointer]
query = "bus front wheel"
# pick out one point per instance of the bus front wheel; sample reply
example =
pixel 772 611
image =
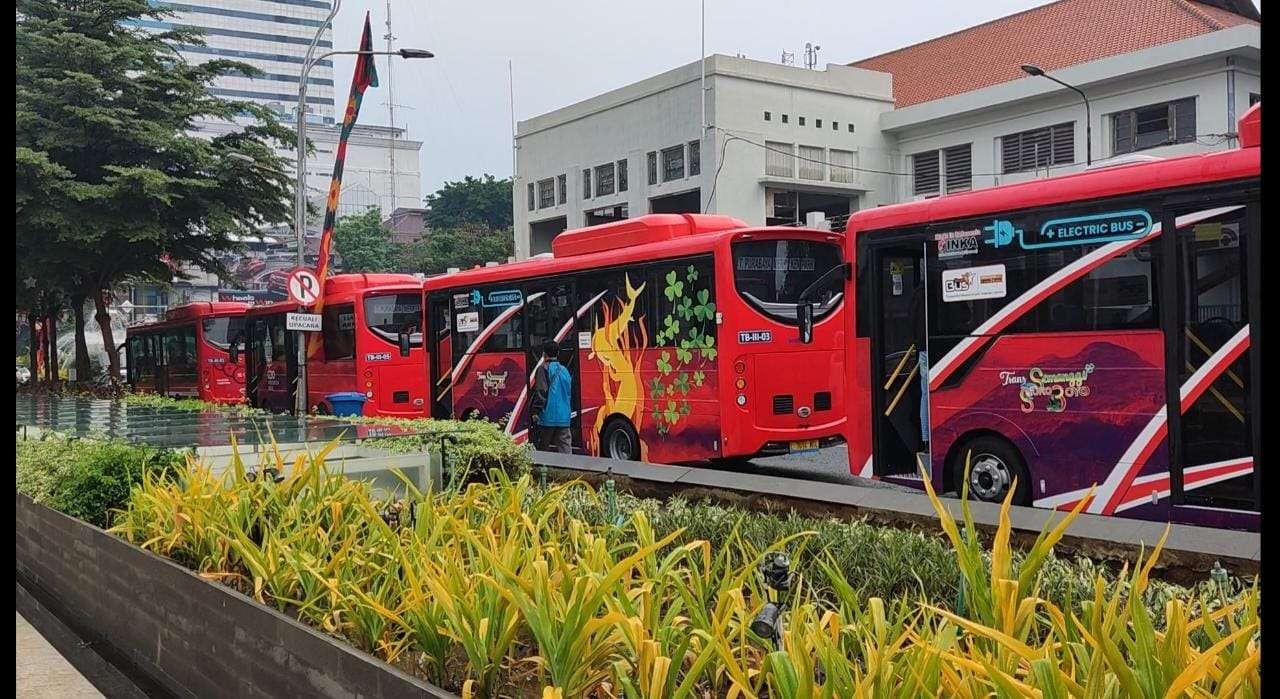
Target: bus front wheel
pixel 995 466
pixel 619 440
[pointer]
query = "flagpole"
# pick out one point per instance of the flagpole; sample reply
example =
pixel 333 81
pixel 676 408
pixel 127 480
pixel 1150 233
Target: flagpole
pixel 366 54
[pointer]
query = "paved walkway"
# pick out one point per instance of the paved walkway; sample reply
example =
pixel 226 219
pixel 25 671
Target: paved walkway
pixel 43 672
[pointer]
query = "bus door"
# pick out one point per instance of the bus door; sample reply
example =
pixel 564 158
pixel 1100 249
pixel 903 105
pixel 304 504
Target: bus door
pixel 898 304
pixel 273 364
pixel 440 355
pixel 549 314
pixel 1214 357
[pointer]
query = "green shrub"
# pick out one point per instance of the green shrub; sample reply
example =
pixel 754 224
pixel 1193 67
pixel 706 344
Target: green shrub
pixel 85 478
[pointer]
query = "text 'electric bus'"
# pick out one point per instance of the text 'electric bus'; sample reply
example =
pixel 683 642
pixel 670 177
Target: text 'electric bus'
pixel 1094 328
pixel 680 331
pixel 187 354
pixel 370 343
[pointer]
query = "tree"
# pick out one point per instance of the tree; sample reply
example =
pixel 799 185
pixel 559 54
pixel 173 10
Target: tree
pixel 363 244
pixel 462 247
pixel 112 185
pixel 485 201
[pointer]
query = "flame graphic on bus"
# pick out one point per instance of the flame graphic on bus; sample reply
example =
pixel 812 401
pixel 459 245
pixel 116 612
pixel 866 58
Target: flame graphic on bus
pixel 620 349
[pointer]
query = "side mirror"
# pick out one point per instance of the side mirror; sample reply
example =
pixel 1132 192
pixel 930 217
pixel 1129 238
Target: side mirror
pixel 804 315
pixel 403 338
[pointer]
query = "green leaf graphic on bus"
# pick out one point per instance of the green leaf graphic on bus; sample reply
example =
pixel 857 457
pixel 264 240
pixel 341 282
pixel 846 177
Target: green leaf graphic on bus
pixel 688 329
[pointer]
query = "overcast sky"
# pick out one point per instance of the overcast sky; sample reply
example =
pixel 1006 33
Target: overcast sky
pixel 564 51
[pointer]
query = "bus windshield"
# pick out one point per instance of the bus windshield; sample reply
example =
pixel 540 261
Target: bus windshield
pixel 220 332
pixel 771 274
pixel 389 315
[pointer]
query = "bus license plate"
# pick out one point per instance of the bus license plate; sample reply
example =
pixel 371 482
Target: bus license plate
pixel 805 446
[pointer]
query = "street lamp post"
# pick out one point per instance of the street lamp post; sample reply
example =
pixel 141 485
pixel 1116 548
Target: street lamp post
pixel 1037 71
pixel 300 195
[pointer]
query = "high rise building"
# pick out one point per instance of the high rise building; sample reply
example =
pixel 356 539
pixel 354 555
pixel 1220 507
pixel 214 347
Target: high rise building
pixel 270 35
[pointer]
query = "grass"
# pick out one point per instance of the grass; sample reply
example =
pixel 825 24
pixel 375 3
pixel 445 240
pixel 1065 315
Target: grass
pixel 505 587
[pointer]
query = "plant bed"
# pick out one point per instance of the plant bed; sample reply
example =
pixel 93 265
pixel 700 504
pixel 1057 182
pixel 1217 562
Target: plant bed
pixel 506 588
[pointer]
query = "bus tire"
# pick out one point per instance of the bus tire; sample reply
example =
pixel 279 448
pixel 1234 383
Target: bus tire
pixel 618 440
pixel 995 466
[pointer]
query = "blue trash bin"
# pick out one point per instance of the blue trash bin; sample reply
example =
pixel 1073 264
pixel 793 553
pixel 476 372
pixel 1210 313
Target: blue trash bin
pixel 349 404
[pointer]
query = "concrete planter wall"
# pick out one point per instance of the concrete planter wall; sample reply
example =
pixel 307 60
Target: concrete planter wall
pixel 189 636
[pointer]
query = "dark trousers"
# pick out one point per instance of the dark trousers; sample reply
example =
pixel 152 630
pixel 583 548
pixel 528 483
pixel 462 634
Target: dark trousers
pixel 558 439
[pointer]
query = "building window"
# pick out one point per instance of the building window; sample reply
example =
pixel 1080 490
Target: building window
pixel 768 116
pixel 812 166
pixel 779 159
pixel 529 196
pixel 800 121
pixel 950 166
pixel 957 164
pixel 604 179
pixel 817 123
pixel 672 163
pixel 924 173
pixel 622 175
pixel 653 167
pixel 1043 147
pixel 586 183
pixel 843 163
pixel 1154 125
pixel 546 193
pixel 850 127
pixel 562 188
pixel 835 126
pixel 1254 98
pixel 695 158
pixel 784 118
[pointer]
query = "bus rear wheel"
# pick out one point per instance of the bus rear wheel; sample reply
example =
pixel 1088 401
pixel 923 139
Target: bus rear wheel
pixel 618 440
pixel 995 466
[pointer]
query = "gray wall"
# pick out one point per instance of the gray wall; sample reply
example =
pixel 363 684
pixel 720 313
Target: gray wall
pixel 192 637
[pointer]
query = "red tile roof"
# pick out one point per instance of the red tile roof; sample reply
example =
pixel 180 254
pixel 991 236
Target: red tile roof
pixel 1052 36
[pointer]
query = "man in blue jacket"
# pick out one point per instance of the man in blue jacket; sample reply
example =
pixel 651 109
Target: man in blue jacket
pixel 552 387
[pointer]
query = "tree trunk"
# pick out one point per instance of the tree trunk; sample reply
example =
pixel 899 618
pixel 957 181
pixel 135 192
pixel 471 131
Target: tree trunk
pixel 51 335
pixel 83 372
pixel 33 346
pixel 108 339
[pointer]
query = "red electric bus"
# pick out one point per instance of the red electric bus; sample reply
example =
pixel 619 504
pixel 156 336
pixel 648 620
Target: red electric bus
pixel 188 353
pixel 370 343
pixel 682 333
pixel 1095 328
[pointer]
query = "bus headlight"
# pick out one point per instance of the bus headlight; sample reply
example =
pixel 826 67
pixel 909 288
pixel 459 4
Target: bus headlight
pixel 742 400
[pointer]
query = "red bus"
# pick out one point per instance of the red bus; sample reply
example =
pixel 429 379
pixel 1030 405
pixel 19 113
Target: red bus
pixel 681 332
pixel 188 353
pixel 370 343
pixel 1094 328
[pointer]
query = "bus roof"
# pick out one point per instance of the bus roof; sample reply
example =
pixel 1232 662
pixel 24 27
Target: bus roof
pixel 350 284
pixel 1220 166
pixel 642 239
pixel 207 308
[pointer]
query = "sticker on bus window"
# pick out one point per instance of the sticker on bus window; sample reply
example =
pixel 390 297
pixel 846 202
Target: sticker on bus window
pixel 957 243
pixel 972 283
pixel 468 322
pixel 461 300
pixel 584 340
pixel 500 299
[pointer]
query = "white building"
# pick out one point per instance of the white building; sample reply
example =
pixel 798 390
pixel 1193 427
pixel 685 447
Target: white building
pixel 642 149
pixel 1163 77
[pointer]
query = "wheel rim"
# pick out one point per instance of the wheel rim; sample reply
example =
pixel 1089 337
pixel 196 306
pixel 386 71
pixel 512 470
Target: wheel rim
pixel 620 445
pixel 989 477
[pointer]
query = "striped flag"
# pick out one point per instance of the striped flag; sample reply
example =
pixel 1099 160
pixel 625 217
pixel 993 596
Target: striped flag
pixel 366 76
